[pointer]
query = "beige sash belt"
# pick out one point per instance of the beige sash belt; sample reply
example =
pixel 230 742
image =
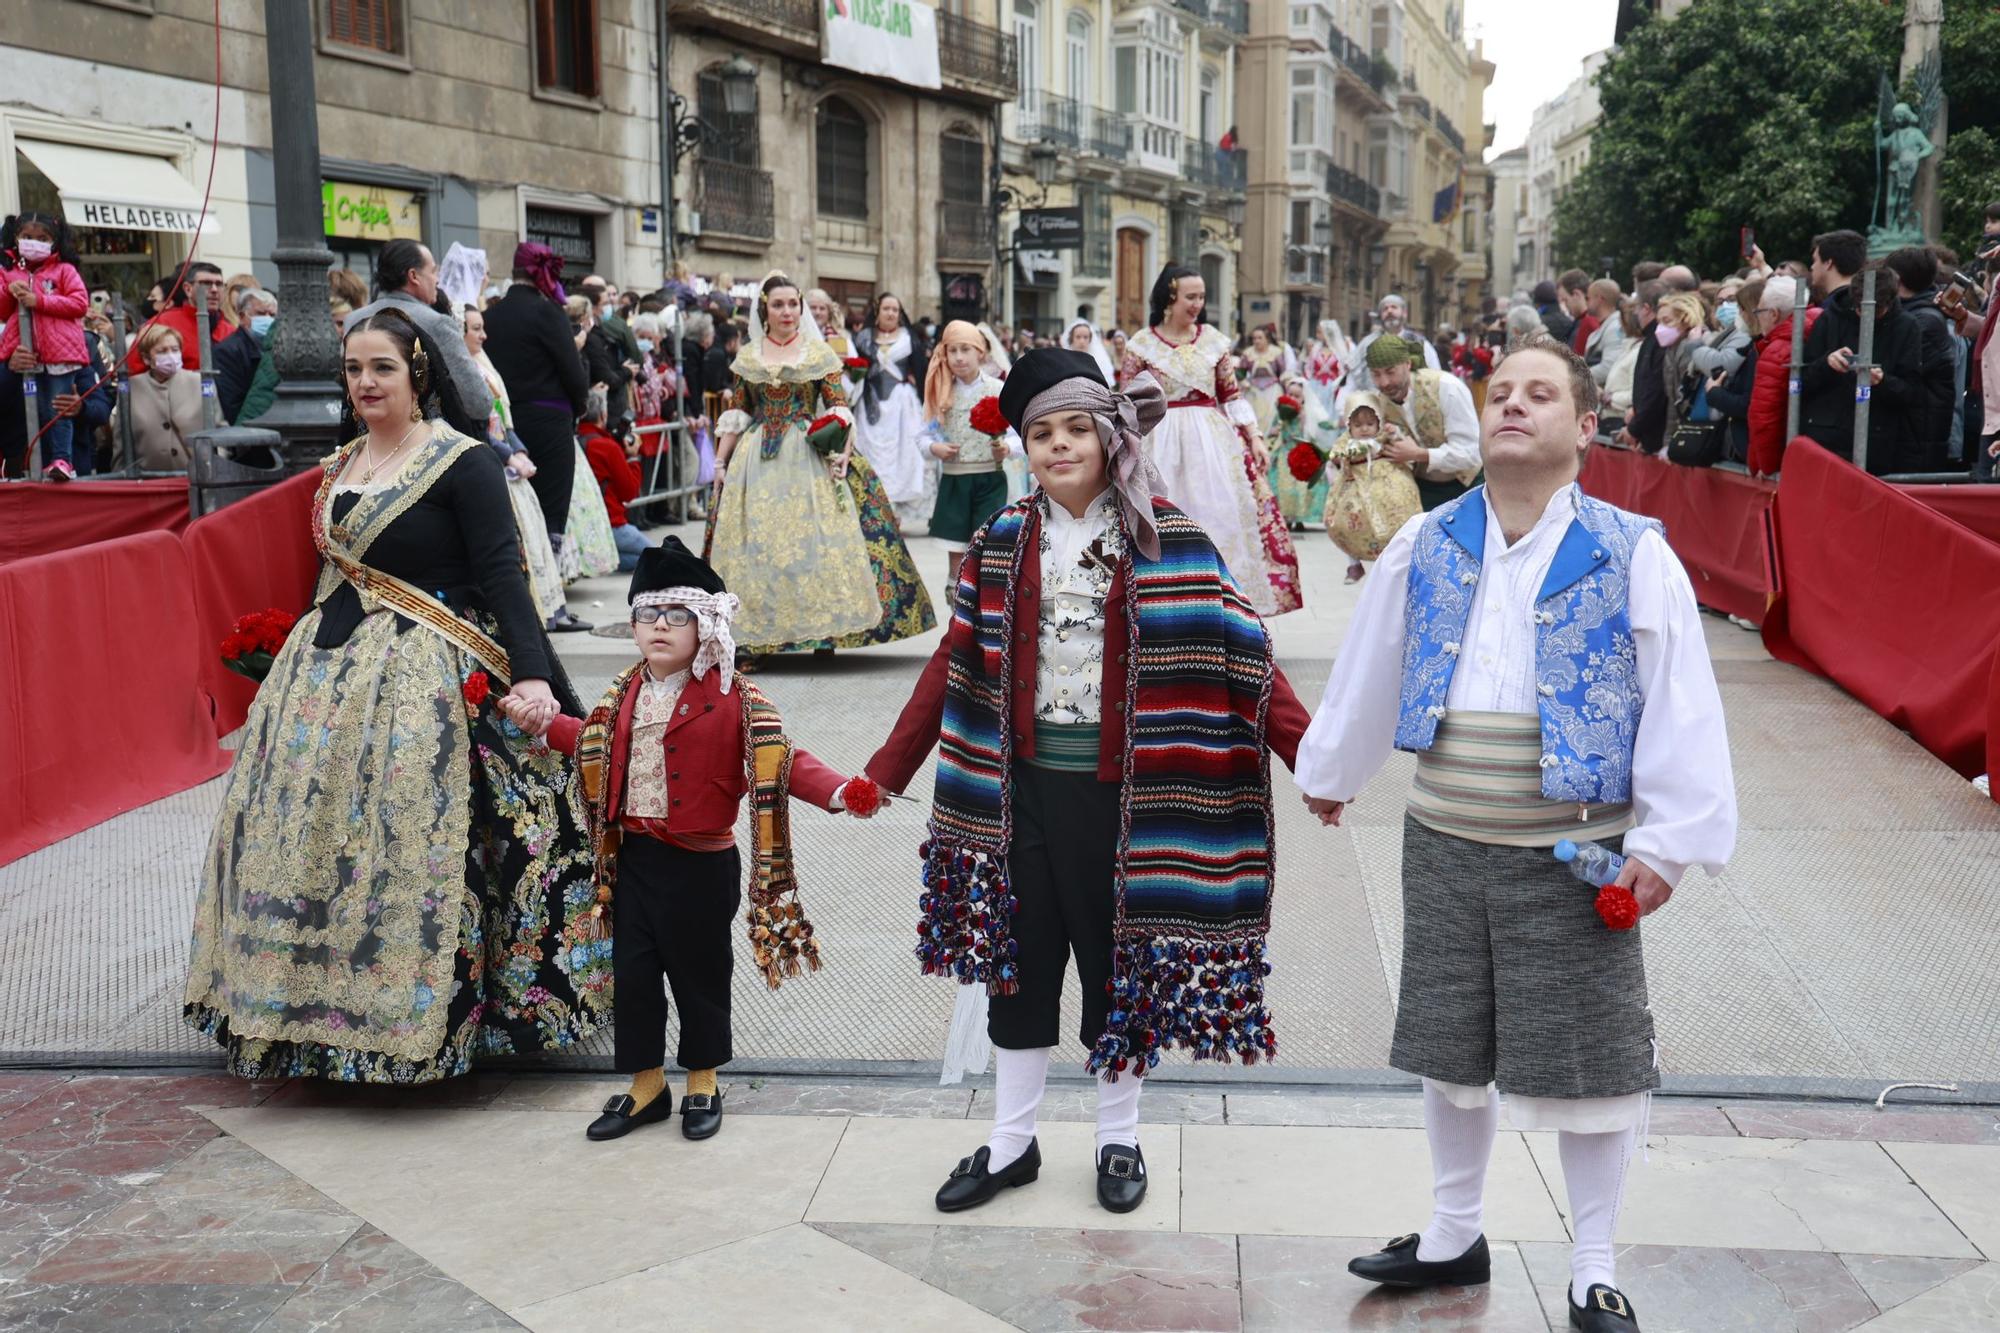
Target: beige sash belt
pixel 426 610
pixel 1481 780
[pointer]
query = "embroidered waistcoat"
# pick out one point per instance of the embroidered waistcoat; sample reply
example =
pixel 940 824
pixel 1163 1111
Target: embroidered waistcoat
pixel 1586 663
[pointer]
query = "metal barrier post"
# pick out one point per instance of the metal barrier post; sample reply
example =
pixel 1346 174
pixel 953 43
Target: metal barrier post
pixel 127 449
pixel 1798 355
pixel 1864 362
pixel 211 407
pixel 30 394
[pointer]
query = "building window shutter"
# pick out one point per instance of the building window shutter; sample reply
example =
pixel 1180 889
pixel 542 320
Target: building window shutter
pixel 373 25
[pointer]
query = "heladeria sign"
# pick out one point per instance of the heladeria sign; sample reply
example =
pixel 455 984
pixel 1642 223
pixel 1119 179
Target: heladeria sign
pixel 142 217
pixel 890 39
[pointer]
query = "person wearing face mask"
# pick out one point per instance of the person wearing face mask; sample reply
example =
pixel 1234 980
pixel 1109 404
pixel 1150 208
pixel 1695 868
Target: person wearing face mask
pixel 1723 350
pixel 1684 322
pixel 611 351
pixel 165 402
pixel 1646 422
pixel 237 360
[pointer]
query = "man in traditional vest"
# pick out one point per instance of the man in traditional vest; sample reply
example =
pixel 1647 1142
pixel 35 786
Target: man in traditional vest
pixel 1392 318
pixel 1431 426
pixel 1541 653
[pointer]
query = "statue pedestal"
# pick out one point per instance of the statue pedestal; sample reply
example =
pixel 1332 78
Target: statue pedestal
pixel 1887 240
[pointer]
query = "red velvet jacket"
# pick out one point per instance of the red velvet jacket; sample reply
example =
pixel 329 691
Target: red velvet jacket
pixel 706 781
pixel 916 731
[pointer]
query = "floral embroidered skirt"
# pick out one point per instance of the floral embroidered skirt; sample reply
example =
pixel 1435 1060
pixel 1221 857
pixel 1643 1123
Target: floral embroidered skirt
pixel 906 603
pixel 589 549
pixel 1298 502
pixel 398 880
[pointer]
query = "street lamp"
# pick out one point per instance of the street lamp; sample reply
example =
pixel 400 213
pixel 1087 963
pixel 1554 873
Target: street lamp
pixel 739 86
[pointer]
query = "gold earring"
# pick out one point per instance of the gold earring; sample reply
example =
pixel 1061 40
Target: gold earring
pixel 416 410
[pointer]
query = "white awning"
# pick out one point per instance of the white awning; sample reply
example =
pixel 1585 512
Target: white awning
pixel 101 188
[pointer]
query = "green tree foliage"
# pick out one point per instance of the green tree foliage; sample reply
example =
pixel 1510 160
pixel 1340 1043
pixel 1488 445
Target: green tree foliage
pixel 1970 177
pixel 1735 113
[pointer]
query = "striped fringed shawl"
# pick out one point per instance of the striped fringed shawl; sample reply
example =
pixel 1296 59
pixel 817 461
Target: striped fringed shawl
pixel 1195 845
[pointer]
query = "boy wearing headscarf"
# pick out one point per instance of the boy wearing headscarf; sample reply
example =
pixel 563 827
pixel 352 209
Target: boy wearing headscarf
pixel 666 758
pixel 1105 697
pixel 973 485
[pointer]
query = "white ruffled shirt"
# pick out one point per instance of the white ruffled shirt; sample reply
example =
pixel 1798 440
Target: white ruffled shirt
pixel 1069 659
pixel 1683 786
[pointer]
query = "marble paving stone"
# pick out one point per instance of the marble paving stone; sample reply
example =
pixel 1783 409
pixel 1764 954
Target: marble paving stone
pixel 18 1088
pixel 1343 1182
pixel 1300 1284
pixel 600 1209
pixel 1971 1301
pixel 1891 1279
pixel 226 1214
pixel 1674 1115
pixel 784 1280
pixel 903 1101
pixel 1378 1111
pixel 1805 1120
pixel 376 1285
pixel 1717 1291
pixel 890 1170
pixel 1772 1194
pixel 136 1308
pixel 1157 1106
pixel 1964 1181
pixel 1037 1279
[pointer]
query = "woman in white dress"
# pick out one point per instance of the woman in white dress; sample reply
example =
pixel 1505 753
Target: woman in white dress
pixel 1263 368
pixel 890 415
pixel 1080 336
pixel 1207 449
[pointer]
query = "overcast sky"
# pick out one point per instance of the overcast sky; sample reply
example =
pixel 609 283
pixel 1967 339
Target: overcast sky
pixel 1537 47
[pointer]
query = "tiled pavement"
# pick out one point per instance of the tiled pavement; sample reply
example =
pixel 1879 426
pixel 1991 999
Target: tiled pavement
pixel 141 1203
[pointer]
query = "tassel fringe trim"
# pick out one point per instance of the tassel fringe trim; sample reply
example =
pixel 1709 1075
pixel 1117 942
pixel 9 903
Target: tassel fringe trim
pixel 1205 997
pixel 965 926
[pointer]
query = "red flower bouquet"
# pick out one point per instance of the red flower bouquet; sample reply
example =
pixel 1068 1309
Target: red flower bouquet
pixel 254 641
pixel 1306 462
pixel 477 687
pixel 827 434
pixel 1288 407
pixel 857 366
pixel 986 417
pixel 1617 908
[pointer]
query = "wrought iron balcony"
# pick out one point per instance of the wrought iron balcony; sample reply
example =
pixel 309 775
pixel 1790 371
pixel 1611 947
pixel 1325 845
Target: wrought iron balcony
pixel 1229 15
pixel 792 21
pixel 1199 166
pixel 1344 184
pixel 972 53
pixel 1106 134
pixel 964 231
pixel 1053 120
pixel 734 200
pixel 1450 132
pixel 1419 104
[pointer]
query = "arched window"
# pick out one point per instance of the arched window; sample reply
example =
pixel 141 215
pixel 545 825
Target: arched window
pixel 726 138
pixel 841 148
pixel 1076 50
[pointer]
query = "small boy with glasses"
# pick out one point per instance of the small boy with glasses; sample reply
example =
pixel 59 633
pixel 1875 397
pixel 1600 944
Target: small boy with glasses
pixel 666 758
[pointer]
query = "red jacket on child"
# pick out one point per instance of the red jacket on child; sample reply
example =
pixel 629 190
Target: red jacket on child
pixel 617 475
pixel 706 781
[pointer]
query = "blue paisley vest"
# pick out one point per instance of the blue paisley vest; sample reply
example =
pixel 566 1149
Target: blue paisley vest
pixel 1586 665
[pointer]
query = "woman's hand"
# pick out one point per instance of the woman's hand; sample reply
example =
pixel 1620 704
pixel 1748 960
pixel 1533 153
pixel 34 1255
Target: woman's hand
pixel 1327 812
pixel 944 449
pixel 531 706
pixel 1260 453
pixel 524 466
pixel 836 466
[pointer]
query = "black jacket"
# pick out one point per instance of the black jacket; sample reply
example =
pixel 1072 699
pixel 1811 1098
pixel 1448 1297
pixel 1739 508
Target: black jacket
pixel 1732 402
pixel 529 341
pixel 1896 406
pixel 1557 321
pixel 602 361
pixel 235 366
pixel 1939 374
pixel 880 383
pixel 716 376
pixel 694 382
pixel 1648 418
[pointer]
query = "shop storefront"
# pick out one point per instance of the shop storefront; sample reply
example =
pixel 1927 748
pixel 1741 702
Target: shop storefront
pixel 361 218
pixel 571 235
pixel 132 214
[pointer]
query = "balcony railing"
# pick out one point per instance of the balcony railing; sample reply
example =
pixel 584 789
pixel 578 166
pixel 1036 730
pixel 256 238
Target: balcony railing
pixel 1229 15
pixel 734 200
pixel 1106 134
pixel 1344 184
pixel 1450 132
pixel 795 19
pixel 1419 104
pixel 1049 119
pixel 1305 267
pixel 964 231
pixel 847 233
pixel 1199 165
pixel 972 52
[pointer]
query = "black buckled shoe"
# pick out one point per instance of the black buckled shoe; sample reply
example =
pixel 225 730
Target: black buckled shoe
pixel 701 1115
pixel 620 1119
pixel 1604 1310
pixel 971 1184
pixel 1396 1265
pixel 1121 1178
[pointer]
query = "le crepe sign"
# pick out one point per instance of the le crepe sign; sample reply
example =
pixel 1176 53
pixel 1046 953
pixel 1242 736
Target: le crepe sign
pixel 890 39
pixel 1050 229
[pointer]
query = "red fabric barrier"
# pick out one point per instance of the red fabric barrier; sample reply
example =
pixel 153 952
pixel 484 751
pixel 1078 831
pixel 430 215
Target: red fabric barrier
pixel 101 703
pixel 1974 506
pixel 251 556
pixel 1715 521
pixel 41 519
pixel 1895 602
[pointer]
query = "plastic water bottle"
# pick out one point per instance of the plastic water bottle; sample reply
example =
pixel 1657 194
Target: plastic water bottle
pixel 1590 862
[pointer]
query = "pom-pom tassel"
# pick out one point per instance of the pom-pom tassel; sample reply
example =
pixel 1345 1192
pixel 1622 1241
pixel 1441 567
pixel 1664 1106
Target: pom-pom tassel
pixel 862 796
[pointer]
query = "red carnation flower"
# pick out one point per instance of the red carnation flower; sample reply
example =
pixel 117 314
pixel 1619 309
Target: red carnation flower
pixel 475 689
pixel 1617 907
pixel 987 418
pixel 855 362
pixel 861 796
pixel 827 434
pixel 236 645
pixel 1305 462
pixel 1288 407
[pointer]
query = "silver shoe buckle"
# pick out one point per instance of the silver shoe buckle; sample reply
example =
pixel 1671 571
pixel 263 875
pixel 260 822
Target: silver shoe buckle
pixel 1121 1167
pixel 1612 1302
pixel 964 1168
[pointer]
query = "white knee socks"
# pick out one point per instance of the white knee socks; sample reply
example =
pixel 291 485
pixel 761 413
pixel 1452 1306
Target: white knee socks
pixel 1461 1144
pixel 1594 1170
pixel 1118 1112
pixel 1018 1080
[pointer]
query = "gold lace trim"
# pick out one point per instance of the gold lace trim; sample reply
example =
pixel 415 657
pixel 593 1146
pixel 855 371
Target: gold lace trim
pixel 1188 368
pixel 818 363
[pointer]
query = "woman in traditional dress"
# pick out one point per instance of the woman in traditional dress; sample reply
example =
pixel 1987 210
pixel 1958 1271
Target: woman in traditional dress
pixel 891 414
pixel 1208 450
pixel 398 881
pixel 1325 363
pixel 785 534
pixel 1081 336
pixel 1263 366
pixel 1298 502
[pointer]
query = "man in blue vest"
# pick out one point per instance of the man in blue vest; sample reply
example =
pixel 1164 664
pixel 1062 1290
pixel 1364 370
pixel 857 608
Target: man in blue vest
pixel 1542 655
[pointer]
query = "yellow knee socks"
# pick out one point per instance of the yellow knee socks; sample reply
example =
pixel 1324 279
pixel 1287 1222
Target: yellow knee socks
pixel 701 1083
pixel 646 1085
